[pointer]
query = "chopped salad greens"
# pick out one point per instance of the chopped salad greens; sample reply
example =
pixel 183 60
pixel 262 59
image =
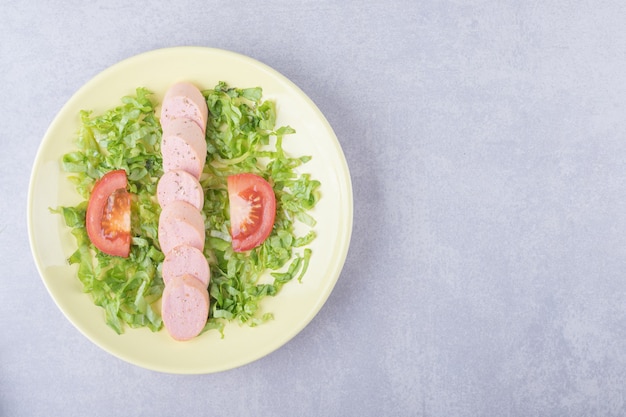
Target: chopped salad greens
pixel 241 137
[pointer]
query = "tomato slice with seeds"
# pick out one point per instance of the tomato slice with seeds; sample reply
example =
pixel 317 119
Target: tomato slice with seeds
pixel 108 214
pixel 252 210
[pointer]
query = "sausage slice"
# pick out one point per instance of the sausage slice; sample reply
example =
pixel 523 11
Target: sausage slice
pixel 184 101
pixel 184 307
pixel 180 185
pixel 180 223
pixel 183 146
pixel 185 259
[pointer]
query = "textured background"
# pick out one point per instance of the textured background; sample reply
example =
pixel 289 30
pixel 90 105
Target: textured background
pixel 486 142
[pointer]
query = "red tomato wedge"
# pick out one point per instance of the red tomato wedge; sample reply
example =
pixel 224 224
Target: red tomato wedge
pixel 108 214
pixel 252 210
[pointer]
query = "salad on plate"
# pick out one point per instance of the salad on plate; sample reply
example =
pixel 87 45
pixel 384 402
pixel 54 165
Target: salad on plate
pixel 116 167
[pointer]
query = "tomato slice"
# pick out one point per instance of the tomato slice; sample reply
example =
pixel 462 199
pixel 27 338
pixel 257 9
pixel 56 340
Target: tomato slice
pixel 252 210
pixel 108 214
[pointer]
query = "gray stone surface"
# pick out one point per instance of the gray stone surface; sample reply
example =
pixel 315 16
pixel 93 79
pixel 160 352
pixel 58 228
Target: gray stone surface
pixel 486 142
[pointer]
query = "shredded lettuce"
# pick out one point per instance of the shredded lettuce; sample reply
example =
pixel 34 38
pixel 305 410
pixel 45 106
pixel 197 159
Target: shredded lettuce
pixel 241 137
pixel 126 137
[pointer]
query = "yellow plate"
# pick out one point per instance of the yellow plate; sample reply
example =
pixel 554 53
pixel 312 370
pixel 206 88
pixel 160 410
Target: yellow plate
pixel 296 304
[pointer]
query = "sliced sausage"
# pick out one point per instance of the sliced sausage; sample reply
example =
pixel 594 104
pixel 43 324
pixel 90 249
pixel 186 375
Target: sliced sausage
pixel 184 307
pixel 183 146
pixel 180 185
pixel 185 259
pixel 180 223
pixel 185 270
pixel 184 101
